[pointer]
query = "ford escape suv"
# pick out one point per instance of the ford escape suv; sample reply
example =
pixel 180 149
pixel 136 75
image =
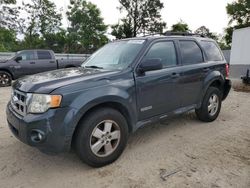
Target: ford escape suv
pixel 123 86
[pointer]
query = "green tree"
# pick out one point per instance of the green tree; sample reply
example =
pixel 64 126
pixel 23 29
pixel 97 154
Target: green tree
pixel 8 14
pixel 124 30
pixel 86 32
pixel 32 42
pixel 239 14
pixel 56 41
pixel 143 17
pixel 42 20
pixel 7 39
pixel 180 26
pixel 204 31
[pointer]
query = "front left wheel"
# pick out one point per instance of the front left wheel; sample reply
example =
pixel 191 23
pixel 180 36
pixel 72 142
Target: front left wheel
pixel 101 137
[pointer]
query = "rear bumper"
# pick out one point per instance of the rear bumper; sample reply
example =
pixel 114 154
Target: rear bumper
pixel 54 126
pixel 226 88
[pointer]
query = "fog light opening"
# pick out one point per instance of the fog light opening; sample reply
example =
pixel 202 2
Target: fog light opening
pixel 37 136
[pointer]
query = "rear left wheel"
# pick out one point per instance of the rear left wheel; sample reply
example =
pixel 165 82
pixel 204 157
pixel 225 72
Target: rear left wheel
pixel 5 79
pixel 211 105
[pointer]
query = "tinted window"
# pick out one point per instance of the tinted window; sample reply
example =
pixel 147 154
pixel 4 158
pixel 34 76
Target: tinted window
pixel 191 52
pixel 212 51
pixel 27 55
pixel 43 55
pixel 164 51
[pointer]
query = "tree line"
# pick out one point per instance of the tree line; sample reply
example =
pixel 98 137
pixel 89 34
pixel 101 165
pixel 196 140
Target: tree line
pixel 40 25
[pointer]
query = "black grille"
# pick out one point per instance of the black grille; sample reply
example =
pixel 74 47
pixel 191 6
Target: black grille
pixel 18 102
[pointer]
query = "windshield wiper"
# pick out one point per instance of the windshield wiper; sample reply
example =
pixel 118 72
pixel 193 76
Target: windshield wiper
pixel 94 67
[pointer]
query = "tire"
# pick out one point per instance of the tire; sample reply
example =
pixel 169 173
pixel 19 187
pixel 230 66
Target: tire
pixel 211 105
pixel 93 145
pixel 5 79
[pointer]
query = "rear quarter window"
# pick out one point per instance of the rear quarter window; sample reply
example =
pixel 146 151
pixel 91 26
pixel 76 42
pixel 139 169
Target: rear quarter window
pixel 212 51
pixel 44 55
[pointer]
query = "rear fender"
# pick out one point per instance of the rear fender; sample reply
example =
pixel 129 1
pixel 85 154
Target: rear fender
pixel 211 77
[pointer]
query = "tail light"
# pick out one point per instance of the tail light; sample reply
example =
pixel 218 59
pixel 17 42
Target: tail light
pixel 227 70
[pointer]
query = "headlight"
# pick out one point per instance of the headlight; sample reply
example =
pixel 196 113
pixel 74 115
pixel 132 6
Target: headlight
pixel 40 103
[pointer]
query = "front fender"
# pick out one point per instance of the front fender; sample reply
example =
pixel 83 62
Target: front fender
pixel 96 96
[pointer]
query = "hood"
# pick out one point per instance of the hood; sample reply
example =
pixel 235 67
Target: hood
pixel 48 81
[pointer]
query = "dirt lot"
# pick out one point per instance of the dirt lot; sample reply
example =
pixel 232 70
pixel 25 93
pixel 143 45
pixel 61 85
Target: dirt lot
pixel 195 154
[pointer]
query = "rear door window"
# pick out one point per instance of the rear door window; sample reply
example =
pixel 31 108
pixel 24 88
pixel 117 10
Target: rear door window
pixel 164 51
pixel 190 52
pixel 44 55
pixel 212 51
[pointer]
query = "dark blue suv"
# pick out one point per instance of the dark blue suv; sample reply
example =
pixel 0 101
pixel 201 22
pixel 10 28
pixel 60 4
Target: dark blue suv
pixel 123 86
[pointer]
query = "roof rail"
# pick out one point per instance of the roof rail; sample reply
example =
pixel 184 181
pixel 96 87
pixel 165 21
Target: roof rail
pixel 152 34
pixel 170 33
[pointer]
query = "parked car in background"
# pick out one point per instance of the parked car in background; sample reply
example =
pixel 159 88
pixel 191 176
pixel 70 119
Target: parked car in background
pixel 125 85
pixel 29 62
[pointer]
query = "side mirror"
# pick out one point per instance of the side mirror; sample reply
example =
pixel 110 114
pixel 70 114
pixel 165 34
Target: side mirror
pixel 19 58
pixel 150 65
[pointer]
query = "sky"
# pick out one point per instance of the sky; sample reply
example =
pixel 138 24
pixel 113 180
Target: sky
pixel 211 13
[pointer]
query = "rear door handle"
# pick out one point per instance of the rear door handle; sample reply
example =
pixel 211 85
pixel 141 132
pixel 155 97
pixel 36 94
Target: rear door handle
pixel 206 69
pixel 175 75
pixel 52 62
pixel 32 63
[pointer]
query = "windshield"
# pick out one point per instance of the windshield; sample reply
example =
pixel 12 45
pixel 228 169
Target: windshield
pixel 115 56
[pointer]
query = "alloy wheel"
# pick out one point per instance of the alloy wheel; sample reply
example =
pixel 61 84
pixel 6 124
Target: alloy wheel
pixel 105 138
pixel 4 79
pixel 213 105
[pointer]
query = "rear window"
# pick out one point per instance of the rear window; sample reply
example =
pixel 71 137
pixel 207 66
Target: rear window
pixel 212 51
pixel 43 55
pixel 190 52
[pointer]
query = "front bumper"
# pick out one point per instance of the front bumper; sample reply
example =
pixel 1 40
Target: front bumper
pixel 56 127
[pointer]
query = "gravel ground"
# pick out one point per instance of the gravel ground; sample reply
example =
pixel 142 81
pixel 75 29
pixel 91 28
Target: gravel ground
pixel 182 152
